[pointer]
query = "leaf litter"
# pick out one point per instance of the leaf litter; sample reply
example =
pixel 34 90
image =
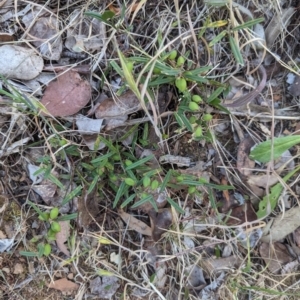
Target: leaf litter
pixel 197 235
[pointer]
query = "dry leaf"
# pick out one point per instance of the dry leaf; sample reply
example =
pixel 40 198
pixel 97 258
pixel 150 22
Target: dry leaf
pixel 160 222
pixel 18 269
pixel 62 237
pixel 67 95
pixel 275 256
pixel 244 163
pixel 291 222
pixel 46 37
pixel 135 224
pixel 212 264
pixel 64 285
pixel 241 214
pixel 6 37
pixel 19 62
pixel 87 208
pixel 84 34
pixel 126 104
pixel 105 288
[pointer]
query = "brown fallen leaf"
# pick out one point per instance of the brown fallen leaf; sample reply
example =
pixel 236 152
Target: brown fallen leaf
pixel 212 265
pixel 244 164
pixel 87 208
pixel 241 214
pixel 63 285
pixel 62 236
pixel 160 222
pixel 126 104
pixel 67 95
pixel 275 256
pixel 276 231
pixel 135 224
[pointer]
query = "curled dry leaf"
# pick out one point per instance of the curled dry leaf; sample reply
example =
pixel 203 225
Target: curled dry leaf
pixel 62 236
pixel 63 285
pixel 135 224
pixel 19 62
pixel 67 95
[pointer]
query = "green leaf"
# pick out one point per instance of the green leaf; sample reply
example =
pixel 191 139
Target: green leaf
pixel 263 151
pixel 121 191
pixel 165 181
pixel 128 75
pixel 102 17
pixel 161 79
pixel 175 205
pixel 93 184
pixel 269 202
pixel 248 24
pixel 71 195
pixel 217 38
pixel 128 200
pixel 67 217
pixel 40 213
pixel 139 162
pixel 102 157
pixel 142 201
pixel 236 51
pixel 28 253
pixel 215 94
pixel 117 68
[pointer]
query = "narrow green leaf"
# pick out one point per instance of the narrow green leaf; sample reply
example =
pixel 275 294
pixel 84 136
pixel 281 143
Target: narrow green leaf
pixel 28 253
pixel 215 94
pixel 142 201
pixel 198 183
pixel 128 75
pixel 117 68
pixel 269 202
pixel 165 181
pixel 128 200
pixel 67 217
pixel 186 122
pixel 217 38
pixel 162 79
pixel 178 119
pixel 139 162
pixel 93 184
pixel 102 17
pixel 236 51
pixel 52 178
pixel 175 205
pixel 263 151
pixel 102 157
pixel 248 24
pixel 39 212
pixel 71 195
pixel 121 191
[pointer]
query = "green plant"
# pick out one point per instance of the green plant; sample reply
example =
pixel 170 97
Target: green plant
pixel 51 219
